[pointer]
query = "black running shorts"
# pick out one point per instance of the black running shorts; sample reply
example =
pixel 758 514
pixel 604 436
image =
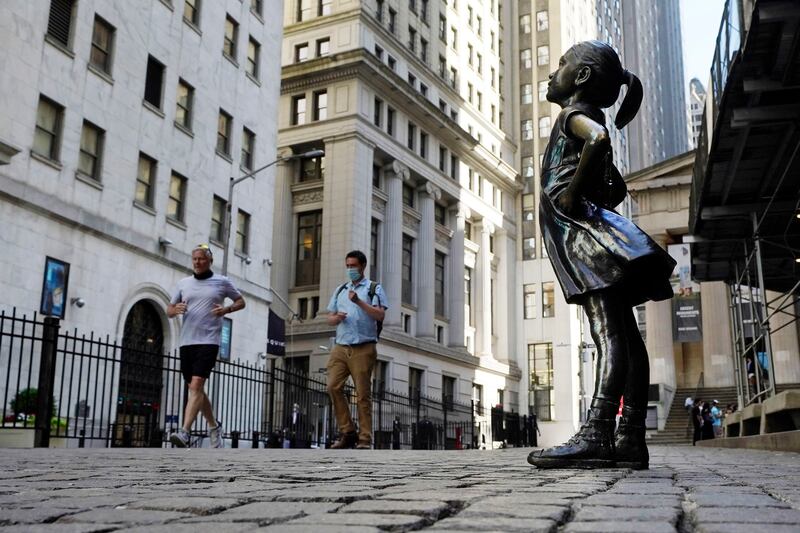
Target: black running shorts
pixel 198 360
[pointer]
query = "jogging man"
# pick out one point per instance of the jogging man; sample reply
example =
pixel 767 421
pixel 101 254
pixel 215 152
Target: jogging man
pixel 356 309
pixel 200 298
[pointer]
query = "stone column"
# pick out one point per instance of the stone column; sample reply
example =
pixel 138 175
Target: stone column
pixel 503 320
pixel 659 336
pixel 718 366
pixel 394 175
pixel 283 235
pixel 455 296
pixel 347 207
pixel 483 318
pixel 428 194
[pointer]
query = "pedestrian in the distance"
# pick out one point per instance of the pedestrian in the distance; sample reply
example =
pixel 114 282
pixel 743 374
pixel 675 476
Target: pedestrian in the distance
pixel 356 309
pixel 708 422
pixel 200 300
pixel 716 417
pixel 697 421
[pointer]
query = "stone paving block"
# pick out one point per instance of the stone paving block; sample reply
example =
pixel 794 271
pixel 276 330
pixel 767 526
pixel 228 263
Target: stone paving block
pixel 123 516
pixel 632 500
pixel 330 495
pixel 465 495
pixel 736 500
pixel 488 508
pixel 383 521
pixel 655 489
pixel 494 523
pixel 197 527
pixel 534 498
pixel 187 504
pixel 32 516
pixel 291 528
pixel 620 527
pixel 745 516
pixel 431 509
pixel 55 528
pixel 727 527
pixel 265 513
pixel 588 513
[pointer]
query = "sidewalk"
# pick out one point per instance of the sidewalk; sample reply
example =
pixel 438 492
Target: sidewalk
pixel 154 490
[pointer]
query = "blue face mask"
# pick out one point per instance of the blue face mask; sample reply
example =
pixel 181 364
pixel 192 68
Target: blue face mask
pixel 353 274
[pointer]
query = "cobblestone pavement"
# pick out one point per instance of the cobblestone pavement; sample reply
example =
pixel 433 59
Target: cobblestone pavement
pixel 153 490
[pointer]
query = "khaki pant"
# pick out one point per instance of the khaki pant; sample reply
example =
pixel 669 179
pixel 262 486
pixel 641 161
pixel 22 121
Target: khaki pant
pixel 357 361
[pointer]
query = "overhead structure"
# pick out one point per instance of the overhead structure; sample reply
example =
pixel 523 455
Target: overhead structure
pixel 745 199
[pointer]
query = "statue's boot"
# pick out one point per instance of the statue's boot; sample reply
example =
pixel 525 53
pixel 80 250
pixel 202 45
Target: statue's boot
pixel 591 447
pixel 629 440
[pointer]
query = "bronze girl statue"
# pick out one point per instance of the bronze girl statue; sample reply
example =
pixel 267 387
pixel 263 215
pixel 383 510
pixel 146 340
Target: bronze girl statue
pixel 601 259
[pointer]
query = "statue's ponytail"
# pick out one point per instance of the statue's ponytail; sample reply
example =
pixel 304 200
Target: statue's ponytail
pixel 632 102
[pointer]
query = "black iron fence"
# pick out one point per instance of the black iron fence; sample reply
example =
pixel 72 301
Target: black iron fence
pixel 63 388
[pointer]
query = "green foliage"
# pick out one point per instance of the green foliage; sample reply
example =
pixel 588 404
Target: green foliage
pixel 24 403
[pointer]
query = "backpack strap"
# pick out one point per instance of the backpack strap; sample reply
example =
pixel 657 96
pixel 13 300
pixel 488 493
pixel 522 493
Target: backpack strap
pixel 372 288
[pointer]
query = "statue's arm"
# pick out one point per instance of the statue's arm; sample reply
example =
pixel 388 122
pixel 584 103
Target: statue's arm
pixel 595 146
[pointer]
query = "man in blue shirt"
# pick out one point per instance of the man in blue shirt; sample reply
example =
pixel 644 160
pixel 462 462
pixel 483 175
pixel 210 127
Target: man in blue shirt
pixel 356 309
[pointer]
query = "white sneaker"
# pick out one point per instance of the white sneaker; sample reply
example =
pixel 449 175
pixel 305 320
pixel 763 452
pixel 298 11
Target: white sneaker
pixel 180 438
pixel 215 436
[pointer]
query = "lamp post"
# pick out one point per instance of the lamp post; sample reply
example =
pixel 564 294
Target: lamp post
pixel 235 181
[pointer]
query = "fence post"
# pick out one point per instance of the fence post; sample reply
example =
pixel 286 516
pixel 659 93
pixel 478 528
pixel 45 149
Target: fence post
pixel 444 416
pixel 271 404
pixel 472 441
pixel 234 439
pixel 47 376
pixel 255 439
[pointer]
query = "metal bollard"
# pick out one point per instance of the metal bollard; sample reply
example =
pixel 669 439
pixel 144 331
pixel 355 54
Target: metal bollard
pixel 255 439
pixel 234 439
pixel 127 437
pixel 82 439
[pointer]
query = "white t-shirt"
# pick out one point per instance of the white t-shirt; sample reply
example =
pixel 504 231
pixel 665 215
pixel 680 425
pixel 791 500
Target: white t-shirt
pixel 200 326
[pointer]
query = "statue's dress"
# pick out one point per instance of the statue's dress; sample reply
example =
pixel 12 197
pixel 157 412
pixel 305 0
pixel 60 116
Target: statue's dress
pixel 595 248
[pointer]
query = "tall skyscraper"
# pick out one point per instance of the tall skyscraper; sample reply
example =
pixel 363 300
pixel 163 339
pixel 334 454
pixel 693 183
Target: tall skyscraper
pixel 697 102
pixel 408 101
pixel 654 51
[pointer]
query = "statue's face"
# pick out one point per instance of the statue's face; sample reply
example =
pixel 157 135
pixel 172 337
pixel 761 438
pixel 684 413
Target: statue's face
pixel 562 83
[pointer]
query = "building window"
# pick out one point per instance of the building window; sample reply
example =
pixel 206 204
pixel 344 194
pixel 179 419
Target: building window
pixel 423 50
pixel 323 47
pixel 300 52
pixel 408 270
pixel 423 145
pixel 374 234
pixel 59 24
pixel 540 387
pixel 442 28
pixel 412 39
pixel 527 167
pixel 248 148
pixel 91 150
pixel 381 379
pixel 218 207
pixel 548 300
pixel 543 55
pixel 392 20
pixel 154 82
pixel 242 244
pixel 390 114
pixel 453 38
pixel 454 167
pixel 324 7
pixel 477 398
pixel 442 158
pixel 408 195
pixel 415 376
pixel 542 21
pixel 224 133
pixel 544 127
pixel 303 10
pixel 102 43
pixel 253 56
pixel 527 130
pixel 440 214
pixel 528 227
pixel 183 105
pixel 320 105
pixel 312 169
pixel 412 136
pixel 376 176
pixel 391 62
pixel 145 180
pixel 379 52
pixel 377 117
pixel 468 292
pixel 177 197
pixel 527 93
pixel 525 24
pixel 309 247
pixel 529 300
pixel 298 110
pixel 439 280
pixel 542 91
pixel 525 58
pixel 257 7
pixel 231 36
pixel 47 136
pixel 191 11
pixel 379 10
pixel 412 80
pixel 448 392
